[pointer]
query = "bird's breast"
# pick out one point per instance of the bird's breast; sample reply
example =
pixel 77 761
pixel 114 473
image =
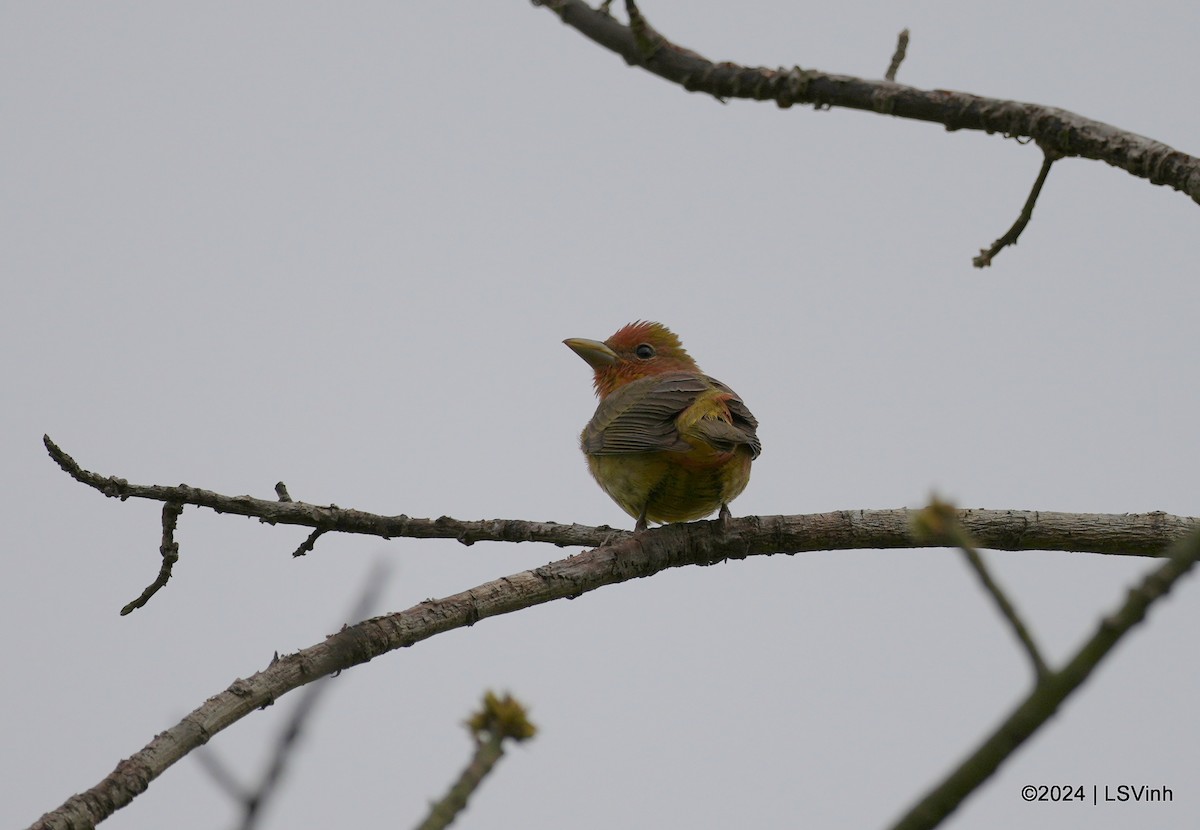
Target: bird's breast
pixel 672 486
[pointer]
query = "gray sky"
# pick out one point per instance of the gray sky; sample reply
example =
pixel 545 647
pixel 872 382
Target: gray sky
pixel 340 245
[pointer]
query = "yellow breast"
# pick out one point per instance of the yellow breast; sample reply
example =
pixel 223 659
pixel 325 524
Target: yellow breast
pixel 673 486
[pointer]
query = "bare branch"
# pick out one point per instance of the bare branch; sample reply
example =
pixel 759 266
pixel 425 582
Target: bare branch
pixel 1041 703
pixel 307 545
pixel 170 555
pixel 693 543
pixel 500 719
pixel 222 775
pixel 938 520
pixel 333 518
pixel 1126 534
pixel 898 56
pixel 1007 610
pixel 1010 237
pixel 1053 129
pixel 649 553
pixel 254 801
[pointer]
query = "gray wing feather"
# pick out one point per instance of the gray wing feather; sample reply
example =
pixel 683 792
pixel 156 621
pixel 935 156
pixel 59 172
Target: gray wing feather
pixel 640 417
pixel 743 421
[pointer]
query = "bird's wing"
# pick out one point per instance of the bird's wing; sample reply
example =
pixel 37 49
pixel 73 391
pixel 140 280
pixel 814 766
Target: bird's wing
pixel 640 416
pixel 743 429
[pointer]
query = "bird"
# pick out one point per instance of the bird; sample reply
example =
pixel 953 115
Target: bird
pixel 668 443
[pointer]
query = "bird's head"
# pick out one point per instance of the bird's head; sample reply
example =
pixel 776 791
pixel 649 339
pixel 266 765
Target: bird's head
pixel 636 351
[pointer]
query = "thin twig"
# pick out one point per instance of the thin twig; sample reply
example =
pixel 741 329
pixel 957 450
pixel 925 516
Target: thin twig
pixel 939 520
pixel 1040 669
pixel 307 545
pixel 333 518
pixel 253 801
pixel 170 555
pixel 221 775
pixel 488 751
pixel 1014 233
pixel 1045 698
pixel 499 719
pixel 898 55
pixel 290 734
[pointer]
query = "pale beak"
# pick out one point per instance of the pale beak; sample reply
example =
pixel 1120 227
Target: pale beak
pixel 597 355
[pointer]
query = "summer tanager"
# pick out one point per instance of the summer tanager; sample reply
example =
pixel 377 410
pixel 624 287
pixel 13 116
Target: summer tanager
pixel 667 443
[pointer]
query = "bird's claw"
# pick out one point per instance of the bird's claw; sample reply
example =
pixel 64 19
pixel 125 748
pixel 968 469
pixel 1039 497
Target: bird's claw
pixel 725 517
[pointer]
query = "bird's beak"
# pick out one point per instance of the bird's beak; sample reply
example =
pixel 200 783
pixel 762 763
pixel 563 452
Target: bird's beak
pixel 594 352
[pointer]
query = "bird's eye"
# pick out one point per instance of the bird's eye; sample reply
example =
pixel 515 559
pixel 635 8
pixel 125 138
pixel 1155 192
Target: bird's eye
pixel 644 351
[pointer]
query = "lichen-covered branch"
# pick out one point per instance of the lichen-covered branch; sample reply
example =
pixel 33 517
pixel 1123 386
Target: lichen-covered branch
pixel 1057 130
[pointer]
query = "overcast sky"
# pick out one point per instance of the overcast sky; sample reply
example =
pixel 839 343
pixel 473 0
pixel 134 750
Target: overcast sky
pixel 340 245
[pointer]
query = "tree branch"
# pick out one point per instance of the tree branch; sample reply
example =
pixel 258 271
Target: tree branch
pixel 1011 236
pixel 1127 534
pixel 253 801
pixel 1041 703
pixel 499 719
pixel 1007 610
pixel 630 558
pixel 898 56
pixel 334 518
pixel 1053 129
pixel 939 522
pixel 169 549
pixel 671 546
pixel 626 557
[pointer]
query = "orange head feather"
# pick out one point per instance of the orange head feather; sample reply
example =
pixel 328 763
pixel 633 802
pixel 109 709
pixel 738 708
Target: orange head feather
pixel 638 350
